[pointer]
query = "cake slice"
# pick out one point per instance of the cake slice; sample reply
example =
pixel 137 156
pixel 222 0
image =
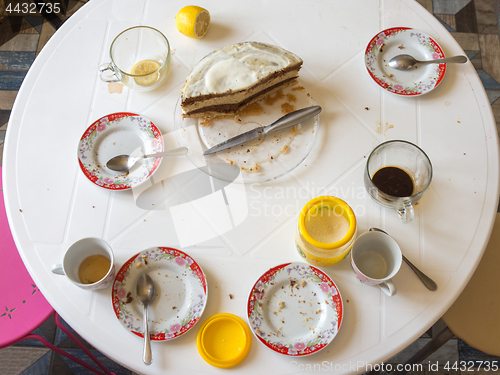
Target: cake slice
pixel 229 79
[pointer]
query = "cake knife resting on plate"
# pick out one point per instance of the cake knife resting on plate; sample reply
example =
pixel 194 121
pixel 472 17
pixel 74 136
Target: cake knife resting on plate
pixel 287 121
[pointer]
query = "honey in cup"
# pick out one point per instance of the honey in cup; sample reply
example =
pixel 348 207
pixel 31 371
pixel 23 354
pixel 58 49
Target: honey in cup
pixel 326 231
pixel 93 269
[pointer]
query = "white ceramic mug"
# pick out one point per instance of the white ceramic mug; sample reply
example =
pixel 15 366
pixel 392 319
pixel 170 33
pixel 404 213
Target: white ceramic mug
pixel 375 259
pixel 80 251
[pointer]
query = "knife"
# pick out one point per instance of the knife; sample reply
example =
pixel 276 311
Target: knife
pixel 285 122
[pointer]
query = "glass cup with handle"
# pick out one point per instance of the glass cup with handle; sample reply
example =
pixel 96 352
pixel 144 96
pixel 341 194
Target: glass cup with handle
pixel 397 175
pixel 140 59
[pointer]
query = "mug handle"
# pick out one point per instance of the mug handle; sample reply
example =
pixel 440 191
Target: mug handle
pixel 388 288
pixel 406 213
pixel 58 269
pixel 107 78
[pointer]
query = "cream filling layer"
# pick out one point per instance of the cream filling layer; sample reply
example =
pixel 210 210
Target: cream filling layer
pixel 238 97
pixel 236 67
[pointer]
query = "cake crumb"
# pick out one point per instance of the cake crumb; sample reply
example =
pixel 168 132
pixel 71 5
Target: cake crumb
pixel 303 283
pixel 251 110
pixel 298 88
pixel 287 108
pixel 273 98
pixel 230 296
pixel 138 265
pixel 318 311
pixel 284 149
pixel 205 121
pixel 255 167
pixel 294 131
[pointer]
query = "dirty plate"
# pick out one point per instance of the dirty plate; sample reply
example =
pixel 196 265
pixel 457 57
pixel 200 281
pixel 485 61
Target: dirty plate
pixel 121 133
pixel 295 309
pixel 258 160
pixel 403 40
pixel 181 293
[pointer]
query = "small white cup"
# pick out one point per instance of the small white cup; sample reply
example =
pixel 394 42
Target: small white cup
pixel 375 259
pixel 77 253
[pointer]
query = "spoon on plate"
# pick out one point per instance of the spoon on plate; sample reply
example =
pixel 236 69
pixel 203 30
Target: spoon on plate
pixel 406 62
pixel 146 293
pixel 426 280
pixel 123 163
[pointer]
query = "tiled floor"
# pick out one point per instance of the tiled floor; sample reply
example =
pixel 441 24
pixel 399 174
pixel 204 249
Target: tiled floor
pixel 473 23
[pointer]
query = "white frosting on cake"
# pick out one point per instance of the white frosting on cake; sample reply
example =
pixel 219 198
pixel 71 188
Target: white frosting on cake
pixel 236 67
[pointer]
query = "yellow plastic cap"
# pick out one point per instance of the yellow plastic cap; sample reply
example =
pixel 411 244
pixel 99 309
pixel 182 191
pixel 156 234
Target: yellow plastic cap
pixel 224 340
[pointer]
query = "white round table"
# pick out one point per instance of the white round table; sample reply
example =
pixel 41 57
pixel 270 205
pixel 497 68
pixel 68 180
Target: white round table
pixel 50 203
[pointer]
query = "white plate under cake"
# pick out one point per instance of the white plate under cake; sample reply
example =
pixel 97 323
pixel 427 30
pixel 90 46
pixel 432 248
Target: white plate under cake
pixel 257 160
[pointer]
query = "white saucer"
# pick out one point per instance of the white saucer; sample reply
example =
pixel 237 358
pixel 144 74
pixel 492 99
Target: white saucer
pixel 402 40
pixel 180 299
pixel 121 133
pixel 295 309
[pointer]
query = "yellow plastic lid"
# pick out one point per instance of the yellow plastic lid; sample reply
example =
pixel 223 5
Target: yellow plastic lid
pixel 224 340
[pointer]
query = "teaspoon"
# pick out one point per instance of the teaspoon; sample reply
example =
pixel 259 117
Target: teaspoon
pixel 426 280
pixel 406 62
pixel 146 293
pixel 123 163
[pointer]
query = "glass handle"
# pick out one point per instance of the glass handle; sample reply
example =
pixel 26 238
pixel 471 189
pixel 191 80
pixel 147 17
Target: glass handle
pixel 406 213
pixel 107 78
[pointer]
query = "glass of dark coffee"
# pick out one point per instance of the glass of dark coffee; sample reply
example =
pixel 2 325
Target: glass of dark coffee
pixel 397 175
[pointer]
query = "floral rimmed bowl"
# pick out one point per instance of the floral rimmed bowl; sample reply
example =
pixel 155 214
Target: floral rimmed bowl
pixel 295 309
pixel 403 40
pixel 180 287
pixel 120 133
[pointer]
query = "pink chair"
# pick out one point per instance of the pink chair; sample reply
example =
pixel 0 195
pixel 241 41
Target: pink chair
pixel 23 308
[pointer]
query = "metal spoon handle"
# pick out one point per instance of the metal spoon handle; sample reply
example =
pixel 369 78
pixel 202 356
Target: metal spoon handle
pixel 455 59
pixel 147 356
pixel 174 152
pixel 426 280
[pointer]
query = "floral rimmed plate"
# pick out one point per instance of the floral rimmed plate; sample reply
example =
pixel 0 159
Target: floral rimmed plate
pixel 403 40
pixel 180 287
pixel 121 133
pixel 295 309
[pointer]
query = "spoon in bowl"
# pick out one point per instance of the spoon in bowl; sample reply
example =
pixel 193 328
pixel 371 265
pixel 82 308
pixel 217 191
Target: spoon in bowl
pixel 406 62
pixel 426 280
pixel 123 163
pixel 146 293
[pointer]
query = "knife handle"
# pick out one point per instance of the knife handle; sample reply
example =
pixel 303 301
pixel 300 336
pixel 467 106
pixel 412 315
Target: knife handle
pixel 293 118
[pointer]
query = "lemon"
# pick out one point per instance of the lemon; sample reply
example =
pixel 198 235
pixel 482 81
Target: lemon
pixel 146 67
pixel 193 21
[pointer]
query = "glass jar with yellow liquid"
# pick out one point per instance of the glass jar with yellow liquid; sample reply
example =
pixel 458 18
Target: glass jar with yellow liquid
pixel 326 231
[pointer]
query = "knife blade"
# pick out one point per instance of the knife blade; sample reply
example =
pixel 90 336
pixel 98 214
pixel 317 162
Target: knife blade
pixel 287 121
